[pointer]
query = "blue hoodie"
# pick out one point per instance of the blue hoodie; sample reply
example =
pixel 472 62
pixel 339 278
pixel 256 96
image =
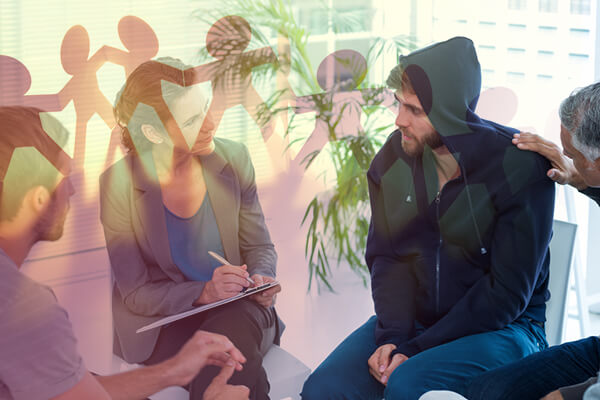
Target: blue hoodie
pixel 473 257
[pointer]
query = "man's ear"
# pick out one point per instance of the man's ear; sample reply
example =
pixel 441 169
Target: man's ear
pixel 151 134
pixel 596 164
pixel 38 197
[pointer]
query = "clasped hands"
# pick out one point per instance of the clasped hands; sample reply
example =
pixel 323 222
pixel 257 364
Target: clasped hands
pixel 380 364
pixel 230 280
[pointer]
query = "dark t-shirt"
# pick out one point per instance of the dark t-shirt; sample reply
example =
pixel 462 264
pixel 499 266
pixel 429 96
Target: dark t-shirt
pixel 592 193
pixel 38 350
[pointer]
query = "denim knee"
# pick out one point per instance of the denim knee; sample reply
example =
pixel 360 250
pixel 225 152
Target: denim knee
pixel 318 386
pixel 404 385
pixel 485 387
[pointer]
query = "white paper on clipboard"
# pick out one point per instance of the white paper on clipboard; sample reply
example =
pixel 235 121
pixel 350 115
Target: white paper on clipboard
pixel 176 317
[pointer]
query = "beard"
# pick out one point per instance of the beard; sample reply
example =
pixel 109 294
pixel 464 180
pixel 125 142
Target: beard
pixel 434 141
pixel 50 225
pixel 415 147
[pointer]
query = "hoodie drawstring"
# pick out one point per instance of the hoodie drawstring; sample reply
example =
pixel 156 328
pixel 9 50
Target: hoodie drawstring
pixel 482 247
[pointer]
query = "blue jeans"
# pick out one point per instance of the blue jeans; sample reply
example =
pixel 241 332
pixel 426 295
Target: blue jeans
pixel 541 373
pixel 345 374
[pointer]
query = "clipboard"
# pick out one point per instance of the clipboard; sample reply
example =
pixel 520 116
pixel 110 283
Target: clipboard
pixel 196 310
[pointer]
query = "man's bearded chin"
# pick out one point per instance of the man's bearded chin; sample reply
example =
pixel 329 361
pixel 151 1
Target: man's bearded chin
pixel 50 225
pixel 434 141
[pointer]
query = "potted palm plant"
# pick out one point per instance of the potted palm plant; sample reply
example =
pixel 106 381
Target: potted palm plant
pixel 338 218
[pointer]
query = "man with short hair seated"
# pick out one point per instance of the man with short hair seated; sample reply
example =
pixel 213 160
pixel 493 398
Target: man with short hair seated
pixel 457 246
pixel 38 350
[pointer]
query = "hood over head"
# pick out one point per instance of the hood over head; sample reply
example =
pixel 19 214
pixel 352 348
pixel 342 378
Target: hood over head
pixel 446 77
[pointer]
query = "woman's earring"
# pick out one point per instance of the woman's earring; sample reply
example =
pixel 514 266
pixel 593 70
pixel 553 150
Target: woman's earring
pixel 151 134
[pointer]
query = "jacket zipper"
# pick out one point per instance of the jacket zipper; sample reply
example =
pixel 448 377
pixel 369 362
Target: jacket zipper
pixel 437 258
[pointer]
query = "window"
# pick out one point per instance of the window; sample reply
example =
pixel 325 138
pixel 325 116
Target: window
pixel 517 4
pixel 515 55
pixel 488 77
pixel 582 7
pixel 577 56
pixel 548 6
pixel 544 63
pixel 578 65
pixel 547 34
pixel 517 27
pixel 515 34
pixel 314 18
pixel 579 34
pixel 515 77
pixel 545 55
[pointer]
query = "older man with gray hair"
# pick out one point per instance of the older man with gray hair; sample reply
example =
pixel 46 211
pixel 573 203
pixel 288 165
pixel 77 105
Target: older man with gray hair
pixel 580 137
pixel 568 371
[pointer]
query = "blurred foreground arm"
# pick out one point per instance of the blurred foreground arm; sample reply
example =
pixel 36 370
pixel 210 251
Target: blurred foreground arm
pixel 203 349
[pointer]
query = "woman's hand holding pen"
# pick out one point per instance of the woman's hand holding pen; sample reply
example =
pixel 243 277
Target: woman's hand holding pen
pixel 227 281
pixel 265 298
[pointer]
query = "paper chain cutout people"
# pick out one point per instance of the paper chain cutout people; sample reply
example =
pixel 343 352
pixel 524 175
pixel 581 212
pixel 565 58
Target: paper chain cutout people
pixel 337 110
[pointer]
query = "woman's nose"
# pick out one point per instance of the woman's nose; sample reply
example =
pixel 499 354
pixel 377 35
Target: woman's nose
pixel 208 124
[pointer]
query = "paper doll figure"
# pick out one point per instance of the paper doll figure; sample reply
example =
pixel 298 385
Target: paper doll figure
pixel 339 108
pixel 498 104
pixel 286 95
pixel 142 44
pixel 15 82
pixel 277 108
pixel 231 73
pixel 43 143
pixel 83 87
pixel 138 38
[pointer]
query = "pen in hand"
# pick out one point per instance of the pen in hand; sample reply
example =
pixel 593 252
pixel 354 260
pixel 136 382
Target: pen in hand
pixel 225 262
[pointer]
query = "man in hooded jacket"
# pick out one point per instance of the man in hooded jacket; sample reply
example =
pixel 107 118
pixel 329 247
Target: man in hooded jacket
pixel 457 246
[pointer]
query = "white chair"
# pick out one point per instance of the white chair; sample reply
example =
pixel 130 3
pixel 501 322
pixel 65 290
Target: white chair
pixel 441 395
pixel 561 256
pixel 285 372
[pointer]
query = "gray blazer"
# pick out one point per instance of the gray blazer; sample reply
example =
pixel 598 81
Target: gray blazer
pixel 148 285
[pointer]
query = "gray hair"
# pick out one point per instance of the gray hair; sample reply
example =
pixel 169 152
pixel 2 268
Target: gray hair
pixel 580 115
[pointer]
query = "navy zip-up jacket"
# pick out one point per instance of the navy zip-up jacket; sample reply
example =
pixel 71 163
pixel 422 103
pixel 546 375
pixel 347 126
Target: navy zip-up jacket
pixel 472 257
pixel 593 193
